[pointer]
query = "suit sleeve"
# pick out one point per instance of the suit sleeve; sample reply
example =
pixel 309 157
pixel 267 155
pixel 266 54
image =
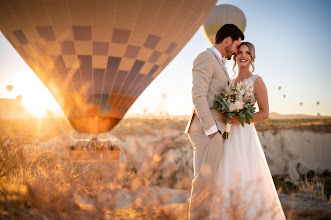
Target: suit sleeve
pixel 202 74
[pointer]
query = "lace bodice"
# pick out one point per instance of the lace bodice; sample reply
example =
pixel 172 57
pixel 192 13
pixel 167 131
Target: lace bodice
pixel 251 80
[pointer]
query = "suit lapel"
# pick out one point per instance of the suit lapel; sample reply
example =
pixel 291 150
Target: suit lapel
pixel 220 62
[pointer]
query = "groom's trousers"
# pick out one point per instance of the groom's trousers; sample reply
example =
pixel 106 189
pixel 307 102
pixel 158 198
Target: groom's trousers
pixel 206 157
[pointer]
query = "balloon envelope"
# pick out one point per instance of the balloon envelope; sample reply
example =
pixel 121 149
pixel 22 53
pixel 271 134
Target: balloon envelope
pixel 10 88
pixel 96 56
pixel 19 98
pixel 221 15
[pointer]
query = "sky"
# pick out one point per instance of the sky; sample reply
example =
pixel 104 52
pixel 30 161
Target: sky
pixel 292 45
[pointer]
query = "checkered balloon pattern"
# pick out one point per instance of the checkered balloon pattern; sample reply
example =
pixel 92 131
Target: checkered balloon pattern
pixel 97 56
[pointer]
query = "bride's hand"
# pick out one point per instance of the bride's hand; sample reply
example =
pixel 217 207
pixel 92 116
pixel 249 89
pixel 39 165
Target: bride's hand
pixel 234 120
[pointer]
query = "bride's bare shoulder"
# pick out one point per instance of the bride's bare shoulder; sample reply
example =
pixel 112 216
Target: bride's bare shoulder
pixel 259 83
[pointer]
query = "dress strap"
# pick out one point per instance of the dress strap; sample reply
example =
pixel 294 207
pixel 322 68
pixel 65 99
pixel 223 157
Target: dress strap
pixel 254 77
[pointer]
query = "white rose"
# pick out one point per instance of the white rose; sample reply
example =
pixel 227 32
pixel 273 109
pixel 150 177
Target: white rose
pixel 232 107
pixel 239 104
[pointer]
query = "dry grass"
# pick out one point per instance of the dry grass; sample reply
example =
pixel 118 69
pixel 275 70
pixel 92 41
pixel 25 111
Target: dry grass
pixel 46 128
pixel 37 183
pixel 40 184
pixel 313 185
pixel 140 126
pixel 319 125
pixel 44 182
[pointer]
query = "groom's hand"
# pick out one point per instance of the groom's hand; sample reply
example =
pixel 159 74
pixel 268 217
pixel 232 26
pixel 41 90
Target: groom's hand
pixel 212 135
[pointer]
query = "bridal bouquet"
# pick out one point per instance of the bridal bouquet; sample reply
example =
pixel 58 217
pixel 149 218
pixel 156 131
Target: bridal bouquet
pixel 236 100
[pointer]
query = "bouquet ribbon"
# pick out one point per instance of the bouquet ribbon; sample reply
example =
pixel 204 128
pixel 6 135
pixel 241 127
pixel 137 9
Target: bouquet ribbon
pixel 227 131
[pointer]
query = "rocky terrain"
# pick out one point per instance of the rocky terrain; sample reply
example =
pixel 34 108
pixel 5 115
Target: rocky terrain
pixel 152 178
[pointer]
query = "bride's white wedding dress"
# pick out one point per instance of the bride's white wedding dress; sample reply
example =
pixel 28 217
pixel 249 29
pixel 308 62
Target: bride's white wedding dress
pixel 244 185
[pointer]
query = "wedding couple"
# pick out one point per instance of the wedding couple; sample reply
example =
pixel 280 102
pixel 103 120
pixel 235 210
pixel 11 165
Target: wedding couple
pixel 232 179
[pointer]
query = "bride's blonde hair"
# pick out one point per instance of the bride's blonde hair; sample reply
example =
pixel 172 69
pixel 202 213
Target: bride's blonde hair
pixel 251 49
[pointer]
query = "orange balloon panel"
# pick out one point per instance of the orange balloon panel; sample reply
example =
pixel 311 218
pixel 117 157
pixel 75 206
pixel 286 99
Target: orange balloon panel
pixel 98 56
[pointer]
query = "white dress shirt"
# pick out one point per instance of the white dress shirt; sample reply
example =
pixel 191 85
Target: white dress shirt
pixel 214 128
pixel 218 54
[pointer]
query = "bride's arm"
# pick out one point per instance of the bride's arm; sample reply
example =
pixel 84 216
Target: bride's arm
pixel 261 97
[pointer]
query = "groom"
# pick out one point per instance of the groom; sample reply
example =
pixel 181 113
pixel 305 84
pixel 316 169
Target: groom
pixel 206 125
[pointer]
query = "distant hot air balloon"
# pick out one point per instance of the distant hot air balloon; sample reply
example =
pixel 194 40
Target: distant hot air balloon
pixel 317 102
pixel 301 103
pixel 279 87
pixel 10 88
pixel 96 56
pixel 221 15
pixel 284 96
pixel 19 98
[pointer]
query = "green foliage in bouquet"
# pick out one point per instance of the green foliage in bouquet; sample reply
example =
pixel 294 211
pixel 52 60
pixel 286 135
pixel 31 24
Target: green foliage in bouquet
pixel 236 101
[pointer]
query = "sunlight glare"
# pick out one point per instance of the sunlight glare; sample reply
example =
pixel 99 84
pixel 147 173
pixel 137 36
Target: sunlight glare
pixel 40 101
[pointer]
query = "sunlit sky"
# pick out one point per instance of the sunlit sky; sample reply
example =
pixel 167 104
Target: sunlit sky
pixel 292 51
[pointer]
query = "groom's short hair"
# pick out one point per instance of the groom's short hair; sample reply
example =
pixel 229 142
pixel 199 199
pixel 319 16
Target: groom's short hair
pixel 229 30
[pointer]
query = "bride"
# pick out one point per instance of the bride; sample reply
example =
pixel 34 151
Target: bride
pixel 245 188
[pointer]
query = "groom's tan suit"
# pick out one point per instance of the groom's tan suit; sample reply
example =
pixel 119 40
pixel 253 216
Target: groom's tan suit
pixel 209 79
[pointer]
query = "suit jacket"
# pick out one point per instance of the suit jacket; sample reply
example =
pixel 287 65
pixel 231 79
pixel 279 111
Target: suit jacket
pixel 209 78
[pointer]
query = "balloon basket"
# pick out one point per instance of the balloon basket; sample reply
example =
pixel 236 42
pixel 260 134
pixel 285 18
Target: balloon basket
pixel 94 149
pixel 95 156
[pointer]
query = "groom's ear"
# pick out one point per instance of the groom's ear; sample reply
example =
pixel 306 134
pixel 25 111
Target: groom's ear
pixel 228 41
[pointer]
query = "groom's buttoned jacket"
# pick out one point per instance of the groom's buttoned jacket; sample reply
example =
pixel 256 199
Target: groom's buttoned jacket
pixel 209 78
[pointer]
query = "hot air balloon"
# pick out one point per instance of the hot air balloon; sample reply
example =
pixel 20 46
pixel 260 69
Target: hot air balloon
pixel 221 15
pixel 97 56
pixel 9 88
pixel 301 103
pixel 279 87
pixel 284 96
pixel 317 102
pixel 19 98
